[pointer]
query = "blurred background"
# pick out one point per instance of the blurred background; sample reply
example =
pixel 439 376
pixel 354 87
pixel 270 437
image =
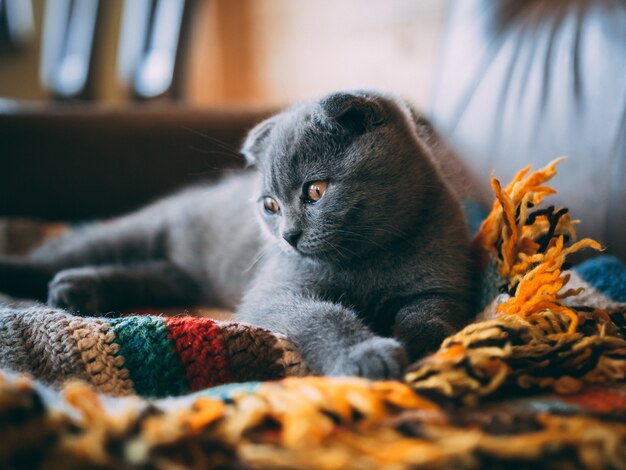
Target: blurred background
pixel 107 104
pixel 216 51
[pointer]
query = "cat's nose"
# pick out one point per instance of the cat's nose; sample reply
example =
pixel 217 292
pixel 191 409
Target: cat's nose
pixel 292 236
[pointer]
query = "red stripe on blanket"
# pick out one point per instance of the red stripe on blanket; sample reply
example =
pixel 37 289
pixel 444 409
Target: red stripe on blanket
pixel 201 349
pixel 600 400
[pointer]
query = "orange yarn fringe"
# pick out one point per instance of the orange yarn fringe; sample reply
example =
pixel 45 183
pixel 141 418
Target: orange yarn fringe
pixel 530 246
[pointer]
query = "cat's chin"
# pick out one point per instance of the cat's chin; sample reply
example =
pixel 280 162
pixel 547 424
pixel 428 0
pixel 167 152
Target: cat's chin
pixel 297 252
pixel 291 251
pixel 304 253
pixel 330 256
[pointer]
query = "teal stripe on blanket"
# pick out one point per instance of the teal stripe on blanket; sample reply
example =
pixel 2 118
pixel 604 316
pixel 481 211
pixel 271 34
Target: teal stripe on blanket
pixel 226 392
pixel 149 355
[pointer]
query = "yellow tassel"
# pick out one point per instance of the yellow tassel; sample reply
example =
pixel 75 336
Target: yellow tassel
pixel 533 269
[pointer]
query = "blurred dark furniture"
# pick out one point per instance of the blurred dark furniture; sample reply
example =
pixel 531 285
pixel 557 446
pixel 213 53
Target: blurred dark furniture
pixel 77 162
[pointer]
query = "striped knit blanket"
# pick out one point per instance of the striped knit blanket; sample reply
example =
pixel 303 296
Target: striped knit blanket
pixel 539 333
pixel 152 356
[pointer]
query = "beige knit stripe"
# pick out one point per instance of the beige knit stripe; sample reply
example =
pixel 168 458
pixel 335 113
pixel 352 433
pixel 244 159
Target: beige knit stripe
pixel 98 351
pixel 54 355
pixel 37 340
pixel 13 355
pixel 55 346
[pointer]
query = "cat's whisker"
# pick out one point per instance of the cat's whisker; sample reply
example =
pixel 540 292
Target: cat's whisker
pixel 210 137
pixel 212 152
pixel 378 229
pixel 361 237
pixel 257 258
pixel 234 152
pixel 222 144
pixel 384 228
pixel 340 254
pixel 210 172
pixel 338 249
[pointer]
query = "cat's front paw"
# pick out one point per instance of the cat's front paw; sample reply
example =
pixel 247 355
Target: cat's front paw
pixel 75 290
pixel 375 358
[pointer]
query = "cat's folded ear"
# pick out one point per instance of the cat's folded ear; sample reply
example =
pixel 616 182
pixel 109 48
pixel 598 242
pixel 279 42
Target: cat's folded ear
pixel 254 144
pixel 356 112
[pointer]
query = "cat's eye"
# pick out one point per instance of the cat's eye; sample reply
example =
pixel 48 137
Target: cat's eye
pixel 270 205
pixel 314 191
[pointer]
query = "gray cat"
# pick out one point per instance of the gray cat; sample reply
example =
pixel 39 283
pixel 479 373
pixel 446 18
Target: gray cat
pixel 360 252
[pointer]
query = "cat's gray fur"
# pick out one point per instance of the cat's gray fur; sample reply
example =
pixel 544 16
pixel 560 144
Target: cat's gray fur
pixel 381 270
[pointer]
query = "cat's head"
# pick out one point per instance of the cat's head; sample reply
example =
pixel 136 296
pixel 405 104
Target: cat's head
pixel 340 176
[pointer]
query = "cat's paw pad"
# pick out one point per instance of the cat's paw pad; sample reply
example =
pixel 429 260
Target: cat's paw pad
pixel 375 358
pixel 75 290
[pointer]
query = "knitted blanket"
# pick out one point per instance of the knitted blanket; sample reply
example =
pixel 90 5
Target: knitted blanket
pixel 535 379
pixel 152 356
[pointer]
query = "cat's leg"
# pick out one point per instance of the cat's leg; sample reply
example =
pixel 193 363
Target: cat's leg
pixel 100 289
pixel 129 239
pixel 422 325
pixel 330 337
pixel 136 237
